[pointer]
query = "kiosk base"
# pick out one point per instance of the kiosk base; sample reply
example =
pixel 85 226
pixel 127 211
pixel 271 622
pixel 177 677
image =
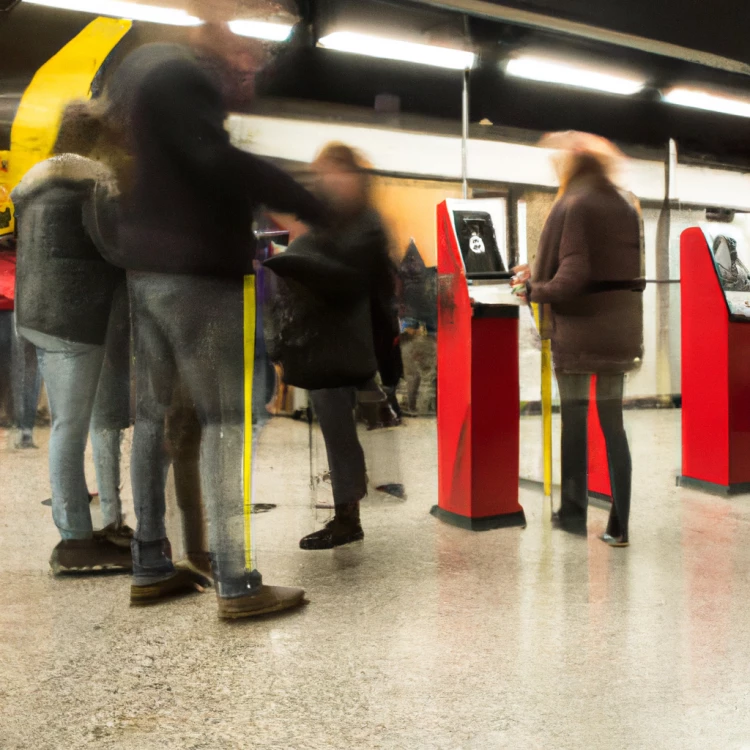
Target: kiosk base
pixel 743 488
pixel 503 521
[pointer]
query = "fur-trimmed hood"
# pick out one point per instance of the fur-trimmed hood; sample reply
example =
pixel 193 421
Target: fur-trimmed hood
pixel 65 168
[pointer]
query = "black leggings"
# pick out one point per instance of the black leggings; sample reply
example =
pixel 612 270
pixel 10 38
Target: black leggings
pixel 574 406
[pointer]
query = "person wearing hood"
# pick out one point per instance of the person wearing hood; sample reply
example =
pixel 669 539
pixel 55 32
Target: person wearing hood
pixel 588 276
pixel 65 299
pixel 185 239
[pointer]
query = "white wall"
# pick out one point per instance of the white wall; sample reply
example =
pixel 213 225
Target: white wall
pixel 428 155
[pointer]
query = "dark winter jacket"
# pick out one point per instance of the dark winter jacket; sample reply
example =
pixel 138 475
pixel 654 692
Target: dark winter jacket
pixel 589 273
pixel 333 322
pixel 64 287
pixel 193 195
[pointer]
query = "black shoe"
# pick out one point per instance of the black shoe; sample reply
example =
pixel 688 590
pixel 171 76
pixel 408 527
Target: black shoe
pixel 335 533
pixel 26 442
pixel 395 490
pixel 572 528
pixel 97 555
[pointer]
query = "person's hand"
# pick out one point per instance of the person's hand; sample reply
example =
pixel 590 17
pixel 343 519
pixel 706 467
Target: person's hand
pixel 522 274
pixel 519 281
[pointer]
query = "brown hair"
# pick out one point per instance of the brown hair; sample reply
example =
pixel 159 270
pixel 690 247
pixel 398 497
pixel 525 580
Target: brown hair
pixel 85 130
pixel 347 159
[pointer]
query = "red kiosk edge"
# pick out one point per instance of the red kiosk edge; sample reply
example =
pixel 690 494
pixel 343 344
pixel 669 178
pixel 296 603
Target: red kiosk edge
pixel 478 399
pixel 715 378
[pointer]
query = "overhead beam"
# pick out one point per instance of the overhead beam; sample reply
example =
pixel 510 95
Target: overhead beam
pixel 489 10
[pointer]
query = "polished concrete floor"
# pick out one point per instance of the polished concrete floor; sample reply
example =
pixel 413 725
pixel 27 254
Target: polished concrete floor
pixel 424 636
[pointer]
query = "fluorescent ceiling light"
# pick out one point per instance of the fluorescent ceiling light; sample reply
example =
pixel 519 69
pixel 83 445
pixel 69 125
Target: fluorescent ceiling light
pixel 711 102
pixel 272 32
pixel 570 74
pixel 123 9
pixel 392 49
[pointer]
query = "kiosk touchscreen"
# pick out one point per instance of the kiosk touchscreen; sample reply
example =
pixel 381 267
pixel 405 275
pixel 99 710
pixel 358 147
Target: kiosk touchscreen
pixel 478 393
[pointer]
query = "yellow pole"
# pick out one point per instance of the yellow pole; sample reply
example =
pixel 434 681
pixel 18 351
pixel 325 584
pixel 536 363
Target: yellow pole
pixel 546 402
pixel 247 463
pixel 64 77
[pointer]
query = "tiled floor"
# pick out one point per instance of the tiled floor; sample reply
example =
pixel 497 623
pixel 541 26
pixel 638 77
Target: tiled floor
pixel 424 636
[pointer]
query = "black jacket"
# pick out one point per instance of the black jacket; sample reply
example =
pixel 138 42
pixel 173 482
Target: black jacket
pixel 336 324
pixel 192 197
pixel 64 287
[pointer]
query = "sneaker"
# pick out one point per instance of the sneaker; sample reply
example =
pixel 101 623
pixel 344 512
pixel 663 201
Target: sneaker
pixel 266 600
pixel 186 579
pixel 97 555
pixel 335 533
pixel 615 541
pixel 119 534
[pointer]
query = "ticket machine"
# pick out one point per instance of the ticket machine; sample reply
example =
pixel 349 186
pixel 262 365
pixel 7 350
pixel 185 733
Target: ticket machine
pixel 478 408
pixel 715 308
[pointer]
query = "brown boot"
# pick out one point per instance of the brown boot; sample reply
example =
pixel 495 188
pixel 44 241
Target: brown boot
pixel 184 580
pixel 97 555
pixel 266 600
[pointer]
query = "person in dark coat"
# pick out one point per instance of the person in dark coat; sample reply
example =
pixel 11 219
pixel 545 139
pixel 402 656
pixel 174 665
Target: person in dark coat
pixel 357 242
pixel 589 278
pixel 186 241
pixel 66 305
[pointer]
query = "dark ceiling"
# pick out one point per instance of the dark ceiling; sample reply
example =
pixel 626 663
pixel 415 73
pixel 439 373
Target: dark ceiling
pixel 31 34
pixel 715 26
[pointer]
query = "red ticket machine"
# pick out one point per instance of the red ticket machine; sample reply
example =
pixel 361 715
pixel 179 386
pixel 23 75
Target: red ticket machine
pixel 478 394
pixel 715 364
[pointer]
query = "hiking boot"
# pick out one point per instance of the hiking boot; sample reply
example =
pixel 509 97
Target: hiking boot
pixel 119 534
pixel 96 555
pixel 186 579
pixel 335 533
pixel 264 601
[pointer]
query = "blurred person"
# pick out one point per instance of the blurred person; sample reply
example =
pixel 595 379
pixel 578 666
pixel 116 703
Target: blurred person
pixel 20 377
pixel 185 240
pixel 589 274
pixel 356 245
pixel 65 308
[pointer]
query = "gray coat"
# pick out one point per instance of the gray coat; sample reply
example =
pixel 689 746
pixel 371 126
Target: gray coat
pixel 64 287
pixel 589 275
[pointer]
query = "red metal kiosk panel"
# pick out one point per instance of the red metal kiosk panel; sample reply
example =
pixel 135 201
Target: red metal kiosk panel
pixel 739 403
pixel 715 377
pixel 705 366
pixel 478 401
pixel 600 485
pixel 454 374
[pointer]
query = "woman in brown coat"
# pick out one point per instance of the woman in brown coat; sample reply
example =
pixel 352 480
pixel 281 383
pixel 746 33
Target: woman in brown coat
pixel 588 275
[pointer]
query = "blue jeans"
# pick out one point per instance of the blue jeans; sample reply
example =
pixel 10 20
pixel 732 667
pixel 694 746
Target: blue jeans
pixel 188 333
pixel 21 378
pixel 72 371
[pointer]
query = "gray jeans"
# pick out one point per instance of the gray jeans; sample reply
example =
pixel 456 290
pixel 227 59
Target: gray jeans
pixel 189 339
pixel 72 373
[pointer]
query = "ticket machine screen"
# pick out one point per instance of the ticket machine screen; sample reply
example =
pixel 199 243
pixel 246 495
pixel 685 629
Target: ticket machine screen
pixel 478 243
